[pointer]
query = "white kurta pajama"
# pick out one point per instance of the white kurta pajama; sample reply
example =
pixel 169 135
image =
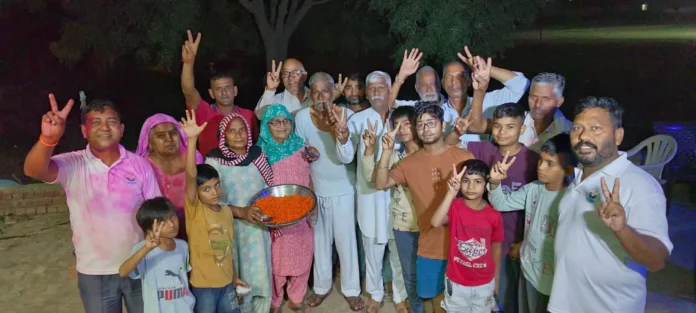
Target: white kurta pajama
pixel 333 184
pixel 373 209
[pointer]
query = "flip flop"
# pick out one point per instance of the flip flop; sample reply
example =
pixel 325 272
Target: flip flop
pixel 316 300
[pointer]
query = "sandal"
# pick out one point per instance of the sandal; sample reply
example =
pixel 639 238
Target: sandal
pixel 301 308
pixel 277 310
pixel 355 303
pixel 373 306
pixel 316 300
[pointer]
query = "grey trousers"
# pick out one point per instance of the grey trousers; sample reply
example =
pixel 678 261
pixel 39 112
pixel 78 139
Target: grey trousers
pixel 530 299
pixel 104 293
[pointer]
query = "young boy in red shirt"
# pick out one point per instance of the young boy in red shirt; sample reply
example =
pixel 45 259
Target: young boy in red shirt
pixel 476 231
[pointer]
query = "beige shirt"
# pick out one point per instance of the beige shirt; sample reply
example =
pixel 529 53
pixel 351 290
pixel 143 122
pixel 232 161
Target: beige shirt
pixel 290 102
pixel 403 217
pixel 560 125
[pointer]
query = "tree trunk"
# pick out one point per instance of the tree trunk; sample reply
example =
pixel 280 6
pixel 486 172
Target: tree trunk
pixel 276 47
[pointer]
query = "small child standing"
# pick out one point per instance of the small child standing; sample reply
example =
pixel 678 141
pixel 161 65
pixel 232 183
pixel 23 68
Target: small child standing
pixel 539 200
pixel 476 231
pixel 160 261
pixel 210 232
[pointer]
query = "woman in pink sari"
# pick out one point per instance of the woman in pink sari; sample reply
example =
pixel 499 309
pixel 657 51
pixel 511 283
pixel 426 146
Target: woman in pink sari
pixel 163 143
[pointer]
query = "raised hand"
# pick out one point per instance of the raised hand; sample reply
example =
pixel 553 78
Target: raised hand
pixel 273 77
pixel 499 169
pixel 190 48
pixel 482 73
pixel 152 239
pixel 411 63
pixel 53 122
pixel 339 124
pixel 339 86
pixel 370 135
pixel 455 182
pixel 611 212
pixel 467 58
pixel 188 124
pixel 390 137
pixel 461 124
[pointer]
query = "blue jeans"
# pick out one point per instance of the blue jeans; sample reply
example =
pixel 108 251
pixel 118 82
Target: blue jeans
pixel 510 273
pixel 104 293
pixel 407 246
pixel 216 300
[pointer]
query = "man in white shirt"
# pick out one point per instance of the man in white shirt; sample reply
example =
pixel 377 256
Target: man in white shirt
pixel 294 97
pixel 373 204
pixel 333 184
pixel 544 120
pixel 612 224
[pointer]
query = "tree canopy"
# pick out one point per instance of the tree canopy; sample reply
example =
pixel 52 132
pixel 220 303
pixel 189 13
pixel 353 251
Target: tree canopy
pixel 151 31
pixel 441 28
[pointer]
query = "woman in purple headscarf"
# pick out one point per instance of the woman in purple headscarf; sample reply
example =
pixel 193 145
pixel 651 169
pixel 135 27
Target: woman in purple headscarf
pixel 163 143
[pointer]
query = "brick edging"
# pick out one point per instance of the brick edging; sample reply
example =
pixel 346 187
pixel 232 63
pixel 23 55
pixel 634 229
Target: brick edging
pixel 32 199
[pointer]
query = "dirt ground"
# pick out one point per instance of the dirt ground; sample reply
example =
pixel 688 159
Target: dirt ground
pixel 35 255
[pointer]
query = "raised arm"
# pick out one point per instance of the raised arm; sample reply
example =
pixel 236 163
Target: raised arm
pixel 453 186
pixel 369 139
pixel 515 83
pixel 646 242
pixel 188 58
pixel 192 131
pixel 409 65
pixel 272 83
pixel 382 179
pixel 345 131
pixel 480 78
pixel 152 241
pixel 38 164
pixel 513 201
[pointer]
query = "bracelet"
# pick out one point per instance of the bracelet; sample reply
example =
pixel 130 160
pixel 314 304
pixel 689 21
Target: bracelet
pixel 399 80
pixel 187 62
pixel 43 142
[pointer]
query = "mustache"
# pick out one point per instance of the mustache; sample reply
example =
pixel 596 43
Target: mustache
pixel 584 143
pixel 429 95
pixel 376 98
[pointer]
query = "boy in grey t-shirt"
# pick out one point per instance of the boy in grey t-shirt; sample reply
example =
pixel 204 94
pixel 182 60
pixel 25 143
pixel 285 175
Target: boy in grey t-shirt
pixel 160 261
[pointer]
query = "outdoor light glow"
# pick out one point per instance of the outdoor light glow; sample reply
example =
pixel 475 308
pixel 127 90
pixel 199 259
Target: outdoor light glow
pixel 644 7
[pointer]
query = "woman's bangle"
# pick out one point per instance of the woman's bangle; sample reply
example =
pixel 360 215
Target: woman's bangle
pixel 44 142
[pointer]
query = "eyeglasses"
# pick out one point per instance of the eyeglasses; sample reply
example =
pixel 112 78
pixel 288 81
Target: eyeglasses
pixel 295 73
pixel 279 123
pixel 429 124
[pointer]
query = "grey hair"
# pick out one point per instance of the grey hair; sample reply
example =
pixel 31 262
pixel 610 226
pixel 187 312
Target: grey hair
pixel 321 76
pixel 428 69
pixel 376 75
pixel 557 80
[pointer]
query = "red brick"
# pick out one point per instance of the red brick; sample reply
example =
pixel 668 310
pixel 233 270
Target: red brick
pixel 30 211
pixel 59 201
pixel 17 195
pixel 41 209
pixel 19 211
pixel 5 196
pixel 41 202
pixel 51 209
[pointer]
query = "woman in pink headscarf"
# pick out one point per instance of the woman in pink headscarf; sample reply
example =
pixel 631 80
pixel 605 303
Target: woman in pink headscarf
pixel 163 143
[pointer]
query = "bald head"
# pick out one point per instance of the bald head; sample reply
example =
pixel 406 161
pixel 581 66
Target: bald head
pixel 293 74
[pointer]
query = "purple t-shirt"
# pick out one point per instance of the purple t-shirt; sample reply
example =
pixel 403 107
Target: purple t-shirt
pixel 522 172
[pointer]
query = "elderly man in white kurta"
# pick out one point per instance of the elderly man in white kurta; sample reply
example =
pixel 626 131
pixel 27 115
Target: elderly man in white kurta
pixel 373 205
pixel 612 227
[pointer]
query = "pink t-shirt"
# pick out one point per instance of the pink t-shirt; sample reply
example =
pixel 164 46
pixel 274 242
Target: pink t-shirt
pixel 472 234
pixel 103 202
pixel 208 140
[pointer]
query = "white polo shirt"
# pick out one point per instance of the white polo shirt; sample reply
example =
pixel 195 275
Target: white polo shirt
pixel 560 125
pixel 593 271
pixel 290 102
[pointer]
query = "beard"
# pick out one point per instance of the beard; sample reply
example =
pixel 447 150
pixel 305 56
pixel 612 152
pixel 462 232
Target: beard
pixel 589 159
pixel 429 96
pixel 353 100
pixel 320 105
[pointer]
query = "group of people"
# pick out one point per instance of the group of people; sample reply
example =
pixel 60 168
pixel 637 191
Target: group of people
pixel 467 201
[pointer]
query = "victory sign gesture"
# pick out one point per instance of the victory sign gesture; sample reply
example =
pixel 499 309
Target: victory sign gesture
pixel 190 48
pixel 482 74
pixel 188 124
pixel 339 86
pixel 390 137
pixel 53 122
pixel 339 124
pixel 370 136
pixel 273 77
pixel 455 182
pixel 152 239
pixel 499 169
pixel 611 212
pixel 461 124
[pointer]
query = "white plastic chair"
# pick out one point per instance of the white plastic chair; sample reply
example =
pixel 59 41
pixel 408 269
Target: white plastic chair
pixel 661 149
